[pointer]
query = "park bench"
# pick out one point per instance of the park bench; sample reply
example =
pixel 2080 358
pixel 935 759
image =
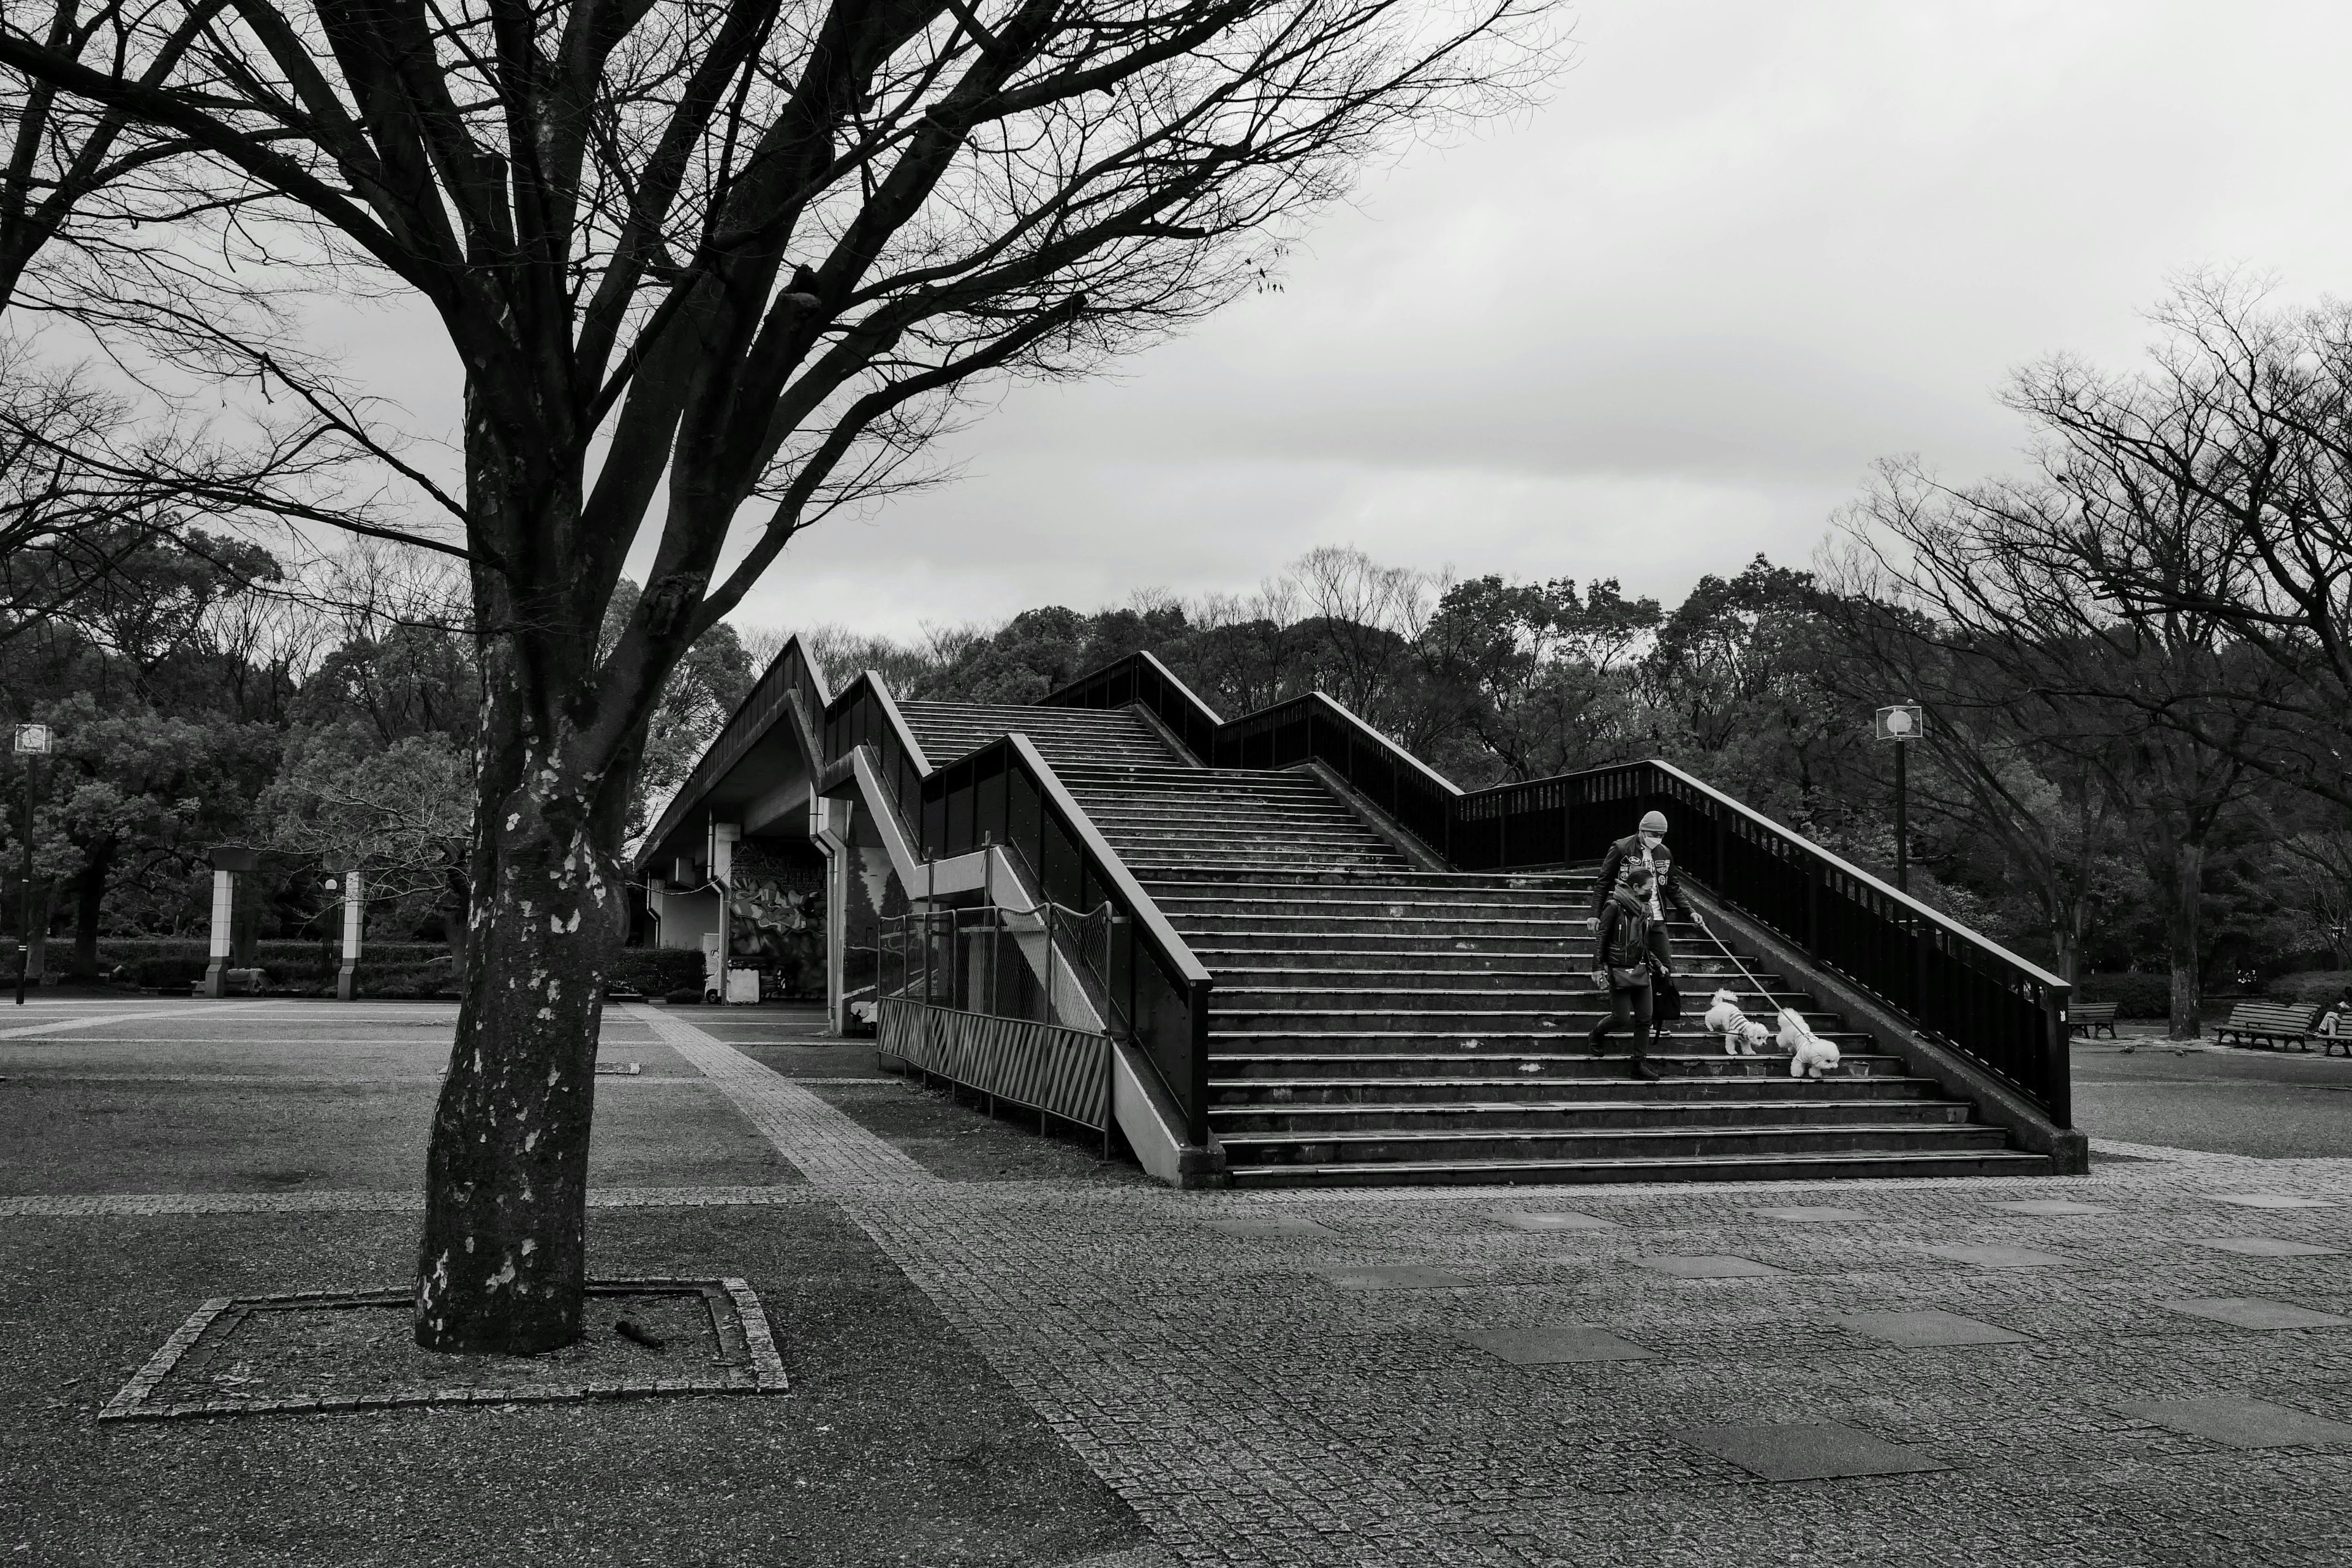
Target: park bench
pixel 2270 1023
pixel 2090 1017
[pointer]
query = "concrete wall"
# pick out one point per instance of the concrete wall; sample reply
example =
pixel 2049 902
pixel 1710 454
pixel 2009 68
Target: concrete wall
pixel 686 917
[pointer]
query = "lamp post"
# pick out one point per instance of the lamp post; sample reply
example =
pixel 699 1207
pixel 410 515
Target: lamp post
pixel 1901 722
pixel 33 744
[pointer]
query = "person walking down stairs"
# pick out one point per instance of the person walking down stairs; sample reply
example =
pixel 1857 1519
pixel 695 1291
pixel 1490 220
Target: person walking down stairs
pixel 1631 957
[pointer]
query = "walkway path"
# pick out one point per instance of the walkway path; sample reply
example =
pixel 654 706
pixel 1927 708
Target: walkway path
pixel 2151 1364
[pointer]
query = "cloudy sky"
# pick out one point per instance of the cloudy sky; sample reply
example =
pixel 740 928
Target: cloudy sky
pixel 1666 321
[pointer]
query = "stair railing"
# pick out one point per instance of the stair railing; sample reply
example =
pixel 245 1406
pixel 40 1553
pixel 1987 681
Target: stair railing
pixel 1142 679
pixel 971 960
pixel 864 714
pixel 1005 794
pixel 1314 728
pixel 1953 985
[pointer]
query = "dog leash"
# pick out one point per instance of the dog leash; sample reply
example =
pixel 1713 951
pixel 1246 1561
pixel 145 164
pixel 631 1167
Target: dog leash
pixel 1761 993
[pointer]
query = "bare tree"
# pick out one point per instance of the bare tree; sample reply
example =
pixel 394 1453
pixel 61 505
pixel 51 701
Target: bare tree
pixel 2317 865
pixel 1990 775
pixel 2218 484
pixel 1993 572
pixel 700 257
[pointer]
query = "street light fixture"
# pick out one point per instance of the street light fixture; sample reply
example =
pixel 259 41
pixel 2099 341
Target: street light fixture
pixel 1902 723
pixel 33 742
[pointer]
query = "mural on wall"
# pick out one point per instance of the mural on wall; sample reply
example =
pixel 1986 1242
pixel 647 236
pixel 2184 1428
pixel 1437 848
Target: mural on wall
pixel 776 917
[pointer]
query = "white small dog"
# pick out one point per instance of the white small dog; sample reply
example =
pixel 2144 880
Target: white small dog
pixel 1810 1056
pixel 1741 1034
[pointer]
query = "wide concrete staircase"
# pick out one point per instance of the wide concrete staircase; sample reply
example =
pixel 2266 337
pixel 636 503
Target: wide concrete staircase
pixel 1375 1024
pixel 1063 736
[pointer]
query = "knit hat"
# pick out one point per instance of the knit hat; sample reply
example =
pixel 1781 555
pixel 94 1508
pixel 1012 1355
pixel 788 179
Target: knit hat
pixel 1651 821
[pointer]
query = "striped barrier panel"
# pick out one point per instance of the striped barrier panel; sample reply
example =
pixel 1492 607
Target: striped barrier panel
pixel 1063 1072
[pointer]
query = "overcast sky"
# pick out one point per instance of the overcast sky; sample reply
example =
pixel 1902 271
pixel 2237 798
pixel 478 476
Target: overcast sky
pixel 1665 321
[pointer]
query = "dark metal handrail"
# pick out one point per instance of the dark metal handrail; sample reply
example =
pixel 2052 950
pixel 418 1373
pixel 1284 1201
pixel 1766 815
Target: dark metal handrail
pixel 1005 794
pixel 1951 983
pixel 864 714
pixel 1142 679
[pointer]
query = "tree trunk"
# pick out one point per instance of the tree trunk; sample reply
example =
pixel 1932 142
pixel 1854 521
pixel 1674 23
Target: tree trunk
pixel 2067 952
pixel 2184 898
pixel 502 1266
pixel 37 943
pixel 89 892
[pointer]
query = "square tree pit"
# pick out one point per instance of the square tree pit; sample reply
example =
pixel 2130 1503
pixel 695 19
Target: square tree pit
pixel 320 1351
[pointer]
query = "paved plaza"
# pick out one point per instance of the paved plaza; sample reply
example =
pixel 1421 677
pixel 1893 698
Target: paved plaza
pixel 1003 1351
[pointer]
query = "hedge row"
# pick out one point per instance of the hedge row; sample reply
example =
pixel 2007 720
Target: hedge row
pixel 2135 995
pixel 2311 988
pixel 386 969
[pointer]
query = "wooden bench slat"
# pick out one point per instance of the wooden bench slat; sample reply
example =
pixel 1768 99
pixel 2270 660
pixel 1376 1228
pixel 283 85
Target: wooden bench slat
pixel 2090 1017
pixel 2280 1021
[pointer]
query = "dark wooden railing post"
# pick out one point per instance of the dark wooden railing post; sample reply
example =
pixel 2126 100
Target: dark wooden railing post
pixel 1196 1003
pixel 1812 912
pixel 2057 1084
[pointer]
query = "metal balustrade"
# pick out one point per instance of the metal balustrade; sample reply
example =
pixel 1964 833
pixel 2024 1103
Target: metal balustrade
pixel 1005 794
pixel 1954 985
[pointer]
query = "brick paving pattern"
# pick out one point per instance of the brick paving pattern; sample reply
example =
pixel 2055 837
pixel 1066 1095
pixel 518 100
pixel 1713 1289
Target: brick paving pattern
pixel 1318 1381
pixel 832 1151
pixel 410 1202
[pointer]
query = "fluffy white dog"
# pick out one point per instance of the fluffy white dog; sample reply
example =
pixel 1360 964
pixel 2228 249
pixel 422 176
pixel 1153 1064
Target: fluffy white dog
pixel 1741 1034
pixel 1810 1056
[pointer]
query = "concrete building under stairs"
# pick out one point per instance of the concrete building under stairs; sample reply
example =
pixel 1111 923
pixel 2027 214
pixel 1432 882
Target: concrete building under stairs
pixel 1278 950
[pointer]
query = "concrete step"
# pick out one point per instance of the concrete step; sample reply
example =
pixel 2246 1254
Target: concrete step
pixel 1240 816
pixel 1515 1117
pixel 1581 1146
pixel 1142 864
pixel 1231 840
pixel 1450 1014
pixel 1530 975
pixel 1870 1165
pixel 1461 1086
pixel 1303 1059
pixel 1270 953
pixel 1490 1028
pixel 1242 918
pixel 1420 883
pixel 1311 909
pixel 1174 776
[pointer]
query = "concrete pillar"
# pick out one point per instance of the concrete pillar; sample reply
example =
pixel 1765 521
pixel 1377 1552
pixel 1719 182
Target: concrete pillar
pixel 724 836
pixel 829 828
pixel 354 924
pixel 231 864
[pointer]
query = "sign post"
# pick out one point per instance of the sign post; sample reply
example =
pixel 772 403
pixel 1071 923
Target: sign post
pixel 1902 723
pixel 33 742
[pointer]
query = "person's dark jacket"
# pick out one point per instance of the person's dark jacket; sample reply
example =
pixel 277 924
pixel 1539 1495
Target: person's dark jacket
pixel 1628 848
pixel 1624 939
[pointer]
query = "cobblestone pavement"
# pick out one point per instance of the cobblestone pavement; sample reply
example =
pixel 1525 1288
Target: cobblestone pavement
pixel 410 1202
pixel 2095 1368
pixel 1305 1390
pixel 832 1150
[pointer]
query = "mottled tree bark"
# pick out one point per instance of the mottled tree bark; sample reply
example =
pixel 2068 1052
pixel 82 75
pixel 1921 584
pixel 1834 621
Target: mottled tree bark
pixel 502 1265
